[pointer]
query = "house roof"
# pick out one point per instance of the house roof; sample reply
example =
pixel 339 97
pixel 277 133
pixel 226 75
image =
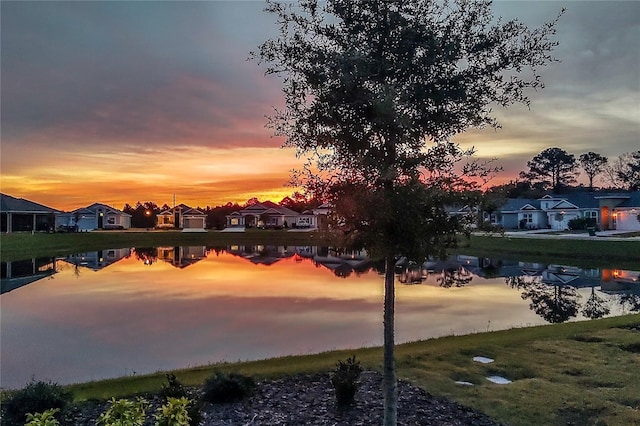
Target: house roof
pixel 632 201
pixel 185 209
pixel 95 206
pixel 516 204
pixel 9 204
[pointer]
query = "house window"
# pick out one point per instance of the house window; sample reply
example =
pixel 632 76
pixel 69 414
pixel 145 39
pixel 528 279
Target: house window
pixel 591 215
pixel 166 219
pixel 111 220
pixel 494 218
pixel 234 221
pixel 527 217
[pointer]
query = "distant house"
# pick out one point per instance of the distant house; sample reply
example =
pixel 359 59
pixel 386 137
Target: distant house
pixel 610 211
pixel 95 216
pixel 269 215
pixel 18 214
pixel 182 217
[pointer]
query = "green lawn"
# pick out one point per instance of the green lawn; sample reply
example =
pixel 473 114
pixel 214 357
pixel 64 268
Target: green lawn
pixel 582 373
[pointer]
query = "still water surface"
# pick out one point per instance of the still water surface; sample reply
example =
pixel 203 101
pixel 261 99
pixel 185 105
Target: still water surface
pixel 126 311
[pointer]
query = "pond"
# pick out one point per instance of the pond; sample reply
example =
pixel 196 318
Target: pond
pixel 123 312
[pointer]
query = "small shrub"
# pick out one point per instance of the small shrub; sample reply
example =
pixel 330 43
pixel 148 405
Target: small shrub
pixel 345 380
pixel 221 388
pixel 173 388
pixel 36 397
pixel 581 223
pixel 174 413
pixel 45 418
pixel 123 412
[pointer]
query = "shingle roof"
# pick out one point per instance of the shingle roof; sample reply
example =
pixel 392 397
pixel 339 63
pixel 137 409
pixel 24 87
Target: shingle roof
pixel 515 204
pixel 12 204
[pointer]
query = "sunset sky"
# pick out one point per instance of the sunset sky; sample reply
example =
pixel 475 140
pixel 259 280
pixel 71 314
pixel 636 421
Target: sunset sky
pixel 118 102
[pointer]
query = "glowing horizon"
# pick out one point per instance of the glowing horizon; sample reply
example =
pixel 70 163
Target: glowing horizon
pixel 168 104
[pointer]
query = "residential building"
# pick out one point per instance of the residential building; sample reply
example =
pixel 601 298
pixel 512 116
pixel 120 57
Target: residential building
pixel 95 216
pixel 18 214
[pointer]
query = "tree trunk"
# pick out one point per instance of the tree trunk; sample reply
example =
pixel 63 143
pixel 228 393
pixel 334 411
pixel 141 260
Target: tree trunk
pixel 389 382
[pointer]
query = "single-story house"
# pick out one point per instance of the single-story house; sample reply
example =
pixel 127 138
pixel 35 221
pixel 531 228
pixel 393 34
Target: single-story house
pixel 18 214
pixel 610 211
pixel 269 215
pixel 182 217
pixel 95 216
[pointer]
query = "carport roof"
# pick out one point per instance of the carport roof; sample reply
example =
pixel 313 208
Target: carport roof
pixel 9 204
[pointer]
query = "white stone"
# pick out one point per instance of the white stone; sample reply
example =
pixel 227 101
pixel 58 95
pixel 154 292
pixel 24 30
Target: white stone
pixel 464 383
pixel 482 359
pixel 498 380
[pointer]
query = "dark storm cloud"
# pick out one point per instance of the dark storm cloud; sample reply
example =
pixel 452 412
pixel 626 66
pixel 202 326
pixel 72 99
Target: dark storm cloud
pixel 161 72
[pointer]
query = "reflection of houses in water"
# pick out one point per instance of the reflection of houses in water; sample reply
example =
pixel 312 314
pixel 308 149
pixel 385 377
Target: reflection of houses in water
pixel 181 257
pixel 22 272
pixel 263 255
pixel 97 260
pixel 570 275
pixel 342 263
pixel 620 281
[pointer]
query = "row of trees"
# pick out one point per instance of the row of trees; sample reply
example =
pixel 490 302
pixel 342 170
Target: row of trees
pixel 554 168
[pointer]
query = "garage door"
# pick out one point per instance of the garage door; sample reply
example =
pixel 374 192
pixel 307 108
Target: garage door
pixel 193 223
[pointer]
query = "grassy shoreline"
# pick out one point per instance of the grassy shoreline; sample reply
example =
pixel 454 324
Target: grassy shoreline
pixel 574 372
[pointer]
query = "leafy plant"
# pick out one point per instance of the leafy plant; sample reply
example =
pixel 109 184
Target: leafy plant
pixel 173 388
pixel 123 412
pixel 345 380
pixel 46 418
pixel 36 397
pixel 174 413
pixel 221 388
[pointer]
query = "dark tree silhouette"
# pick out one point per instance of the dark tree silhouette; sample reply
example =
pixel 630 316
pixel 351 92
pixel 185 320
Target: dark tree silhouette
pixel 553 167
pixel 554 303
pixel 374 90
pixel 593 164
pixel 595 306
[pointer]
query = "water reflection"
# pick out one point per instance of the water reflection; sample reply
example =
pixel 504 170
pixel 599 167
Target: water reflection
pixel 108 313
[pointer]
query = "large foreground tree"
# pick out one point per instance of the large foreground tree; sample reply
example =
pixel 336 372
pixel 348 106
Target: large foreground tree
pixel 374 91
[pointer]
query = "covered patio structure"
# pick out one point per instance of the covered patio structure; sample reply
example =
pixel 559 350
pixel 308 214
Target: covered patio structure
pixel 20 215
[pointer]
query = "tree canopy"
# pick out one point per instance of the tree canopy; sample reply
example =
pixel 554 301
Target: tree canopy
pixel 593 164
pixel 553 168
pixel 374 91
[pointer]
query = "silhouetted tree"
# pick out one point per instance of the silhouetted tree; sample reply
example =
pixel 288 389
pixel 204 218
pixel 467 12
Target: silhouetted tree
pixel 595 306
pixel 554 303
pixel 374 91
pixel 553 167
pixel 624 171
pixel 593 164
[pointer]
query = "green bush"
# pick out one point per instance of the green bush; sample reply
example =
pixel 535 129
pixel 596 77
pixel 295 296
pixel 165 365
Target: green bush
pixel 174 413
pixel 45 418
pixel 345 380
pixel 36 397
pixel 123 412
pixel 173 388
pixel 221 388
pixel 581 223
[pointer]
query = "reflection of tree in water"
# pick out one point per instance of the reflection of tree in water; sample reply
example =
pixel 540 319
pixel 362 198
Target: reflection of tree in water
pixel 148 255
pixel 629 301
pixel 458 277
pixel 595 306
pixel 553 303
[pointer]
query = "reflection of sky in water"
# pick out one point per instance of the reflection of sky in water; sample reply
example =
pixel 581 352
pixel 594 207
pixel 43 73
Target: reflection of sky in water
pixel 82 323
